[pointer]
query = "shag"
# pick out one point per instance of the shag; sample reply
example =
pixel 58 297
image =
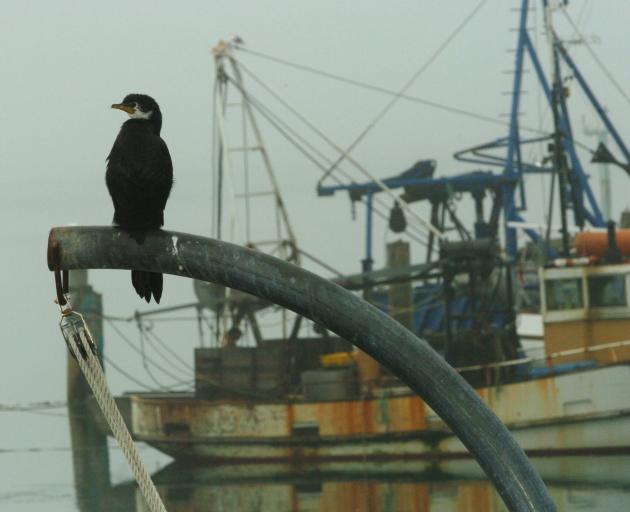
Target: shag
pixel 139 178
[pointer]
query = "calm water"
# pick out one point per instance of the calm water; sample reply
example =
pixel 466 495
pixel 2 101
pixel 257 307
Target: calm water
pixel 37 470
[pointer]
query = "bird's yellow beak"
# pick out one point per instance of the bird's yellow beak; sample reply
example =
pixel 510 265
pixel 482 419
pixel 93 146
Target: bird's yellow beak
pixel 126 108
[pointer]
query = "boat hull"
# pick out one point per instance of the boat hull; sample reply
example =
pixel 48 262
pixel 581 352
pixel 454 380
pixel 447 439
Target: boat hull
pixel 581 412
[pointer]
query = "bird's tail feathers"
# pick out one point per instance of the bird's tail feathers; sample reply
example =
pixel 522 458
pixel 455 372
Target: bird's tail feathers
pixel 147 284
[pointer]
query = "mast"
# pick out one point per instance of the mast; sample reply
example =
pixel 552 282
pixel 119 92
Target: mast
pixel 560 167
pixel 285 236
pixel 283 243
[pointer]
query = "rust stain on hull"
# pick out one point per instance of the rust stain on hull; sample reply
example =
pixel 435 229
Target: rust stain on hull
pixel 347 418
pixel 548 415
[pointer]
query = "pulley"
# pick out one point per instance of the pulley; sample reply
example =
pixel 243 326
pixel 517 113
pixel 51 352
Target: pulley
pixel 397 220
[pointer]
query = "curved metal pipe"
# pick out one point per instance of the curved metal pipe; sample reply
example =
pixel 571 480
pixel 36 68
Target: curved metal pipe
pixel 408 357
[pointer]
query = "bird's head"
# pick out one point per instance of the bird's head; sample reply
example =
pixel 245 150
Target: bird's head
pixel 141 106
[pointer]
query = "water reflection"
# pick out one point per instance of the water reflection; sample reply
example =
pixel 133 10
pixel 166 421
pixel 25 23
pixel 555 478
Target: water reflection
pixel 576 483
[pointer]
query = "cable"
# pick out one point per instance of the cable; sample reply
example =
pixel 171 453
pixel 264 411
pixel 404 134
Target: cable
pixel 384 188
pixel 297 114
pixel 276 121
pixel 345 154
pixel 585 3
pixel 376 88
pixel 178 382
pixel 310 125
pixel 221 149
pixel 148 359
pixel 213 165
pixel 407 85
pixel 321 263
pixel 165 346
pixel 125 374
pixel 539 112
pixel 599 63
pixel 144 362
pixel 390 92
pixel 138 382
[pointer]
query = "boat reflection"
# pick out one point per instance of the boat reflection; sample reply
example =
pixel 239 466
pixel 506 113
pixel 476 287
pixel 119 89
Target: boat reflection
pixel 576 483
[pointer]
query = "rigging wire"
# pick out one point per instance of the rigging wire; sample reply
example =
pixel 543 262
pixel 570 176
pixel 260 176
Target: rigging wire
pixel 165 346
pixel 407 85
pixel 319 262
pixel 213 165
pixel 126 374
pixel 597 60
pixel 144 362
pixel 310 125
pixel 384 90
pixel 585 3
pixel 276 122
pixel 345 154
pixel 177 378
pixel 473 115
pixel 219 94
pixel 246 174
pixel 151 337
pixel 268 113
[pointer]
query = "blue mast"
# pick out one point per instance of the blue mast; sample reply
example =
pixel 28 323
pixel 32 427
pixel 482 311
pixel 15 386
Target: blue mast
pixel 514 145
pixel 576 193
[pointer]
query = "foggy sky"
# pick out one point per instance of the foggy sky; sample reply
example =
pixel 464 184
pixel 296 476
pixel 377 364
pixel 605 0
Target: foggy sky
pixel 64 63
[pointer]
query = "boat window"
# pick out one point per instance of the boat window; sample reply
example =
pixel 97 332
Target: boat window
pixel 564 294
pixel 607 291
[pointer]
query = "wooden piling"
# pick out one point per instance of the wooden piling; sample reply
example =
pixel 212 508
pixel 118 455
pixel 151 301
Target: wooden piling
pixel 90 458
pixel 400 294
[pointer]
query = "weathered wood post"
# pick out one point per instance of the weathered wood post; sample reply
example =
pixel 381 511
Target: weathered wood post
pixel 90 458
pixel 400 293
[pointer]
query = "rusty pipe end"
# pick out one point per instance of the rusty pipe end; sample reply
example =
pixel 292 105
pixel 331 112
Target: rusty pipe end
pixel 53 254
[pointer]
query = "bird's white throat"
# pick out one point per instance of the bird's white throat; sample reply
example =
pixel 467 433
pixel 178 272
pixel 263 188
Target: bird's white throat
pixel 139 114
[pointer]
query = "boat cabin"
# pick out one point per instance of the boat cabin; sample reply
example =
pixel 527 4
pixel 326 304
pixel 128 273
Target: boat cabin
pixel 586 307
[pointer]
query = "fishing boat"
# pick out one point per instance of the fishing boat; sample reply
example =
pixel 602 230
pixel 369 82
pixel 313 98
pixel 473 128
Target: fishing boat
pixel 308 399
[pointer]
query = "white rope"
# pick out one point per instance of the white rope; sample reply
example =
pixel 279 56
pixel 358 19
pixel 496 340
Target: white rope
pixel 79 340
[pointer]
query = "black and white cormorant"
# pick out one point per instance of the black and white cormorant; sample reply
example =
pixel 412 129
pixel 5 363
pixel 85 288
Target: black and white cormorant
pixel 139 178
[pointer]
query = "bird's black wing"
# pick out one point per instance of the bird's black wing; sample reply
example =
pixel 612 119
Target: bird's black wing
pixel 163 172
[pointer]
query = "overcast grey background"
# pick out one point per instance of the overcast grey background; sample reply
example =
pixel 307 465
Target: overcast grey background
pixel 63 63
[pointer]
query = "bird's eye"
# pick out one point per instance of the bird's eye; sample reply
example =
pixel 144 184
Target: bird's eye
pixel 135 105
